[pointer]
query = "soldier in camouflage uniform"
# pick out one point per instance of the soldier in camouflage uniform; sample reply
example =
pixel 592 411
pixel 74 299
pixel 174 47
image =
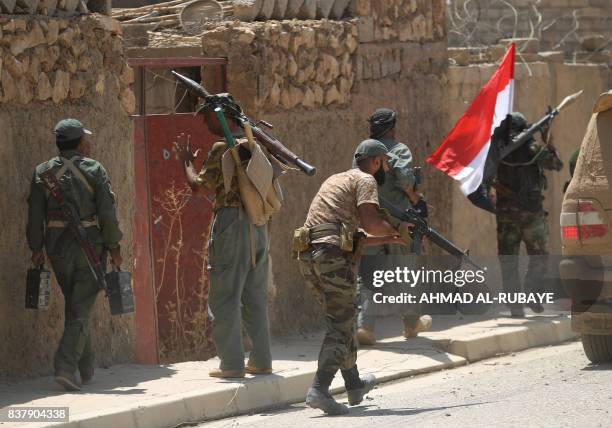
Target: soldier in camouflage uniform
pixel 521 217
pixel 85 184
pixel 238 288
pixel 399 189
pixel 344 202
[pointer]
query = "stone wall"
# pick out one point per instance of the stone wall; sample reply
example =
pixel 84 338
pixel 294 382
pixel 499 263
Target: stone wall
pixel 63 60
pixel 559 24
pixel 317 82
pixel 60 8
pixel 53 69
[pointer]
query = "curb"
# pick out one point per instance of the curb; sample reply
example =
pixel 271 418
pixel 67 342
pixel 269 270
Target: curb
pixel 274 390
pixel 537 332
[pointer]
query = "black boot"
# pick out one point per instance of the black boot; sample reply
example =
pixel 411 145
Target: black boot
pixel 357 387
pixel 318 396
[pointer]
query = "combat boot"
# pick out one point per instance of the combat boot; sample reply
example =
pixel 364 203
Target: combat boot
pixel 355 396
pixel 365 337
pixel 423 324
pixel 320 400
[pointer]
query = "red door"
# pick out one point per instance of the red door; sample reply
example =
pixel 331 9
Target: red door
pixel 170 236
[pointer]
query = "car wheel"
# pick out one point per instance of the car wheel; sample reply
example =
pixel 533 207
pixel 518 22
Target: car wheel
pixel 597 347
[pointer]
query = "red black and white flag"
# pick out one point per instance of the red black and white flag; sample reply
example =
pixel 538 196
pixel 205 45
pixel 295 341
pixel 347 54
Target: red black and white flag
pixel 465 151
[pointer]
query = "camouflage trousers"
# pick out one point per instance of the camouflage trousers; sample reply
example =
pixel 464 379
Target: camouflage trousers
pixel 330 273
pixel 514 227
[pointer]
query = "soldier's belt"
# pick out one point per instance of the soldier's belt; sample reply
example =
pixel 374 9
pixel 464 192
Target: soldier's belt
pixel 62 223
pixel 324 230
pixel 343 231
pixel 304 236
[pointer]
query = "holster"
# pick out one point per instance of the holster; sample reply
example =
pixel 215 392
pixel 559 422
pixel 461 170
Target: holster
pixel 358 244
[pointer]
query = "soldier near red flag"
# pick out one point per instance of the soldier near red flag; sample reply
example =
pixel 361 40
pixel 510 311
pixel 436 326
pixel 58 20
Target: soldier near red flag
pixel 400 189
pixel 519 190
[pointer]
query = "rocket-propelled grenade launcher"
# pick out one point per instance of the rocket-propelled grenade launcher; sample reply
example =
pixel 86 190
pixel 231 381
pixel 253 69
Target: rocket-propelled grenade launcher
pixel 233 110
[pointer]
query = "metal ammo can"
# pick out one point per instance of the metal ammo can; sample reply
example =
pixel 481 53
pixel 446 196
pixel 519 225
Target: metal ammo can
pixel 38 288
pixel 119 290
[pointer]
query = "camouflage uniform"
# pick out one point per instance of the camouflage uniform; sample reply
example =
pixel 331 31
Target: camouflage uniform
pixel 238 290
pixel 330 274
pixel 520 213
pixel 399 177
pixel 86 185
pixel 329 271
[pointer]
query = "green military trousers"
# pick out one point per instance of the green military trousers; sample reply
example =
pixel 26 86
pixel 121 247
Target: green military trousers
pixel 514 227
pixel 367 315
pixel 80 290
pixel 330 273
pixel 238 290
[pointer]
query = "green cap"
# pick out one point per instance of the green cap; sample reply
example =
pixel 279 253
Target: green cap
pixel 69 129
pixel 369 149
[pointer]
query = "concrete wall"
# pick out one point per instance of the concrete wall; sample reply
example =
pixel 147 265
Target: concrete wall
pixel 559 24
pixel 537 86
pixel 29 338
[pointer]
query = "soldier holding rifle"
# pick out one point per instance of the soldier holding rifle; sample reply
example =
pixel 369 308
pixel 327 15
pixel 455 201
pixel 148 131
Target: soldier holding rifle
pixel 238 247
pixel 518 197
pixel 399 188
pixel 326 252
pixel 83 183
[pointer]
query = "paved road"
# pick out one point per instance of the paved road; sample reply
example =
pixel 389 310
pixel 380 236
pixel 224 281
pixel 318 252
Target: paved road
pixel 544 387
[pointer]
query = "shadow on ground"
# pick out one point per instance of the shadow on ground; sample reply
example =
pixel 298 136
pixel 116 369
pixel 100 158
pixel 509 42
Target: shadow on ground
pixel 122 380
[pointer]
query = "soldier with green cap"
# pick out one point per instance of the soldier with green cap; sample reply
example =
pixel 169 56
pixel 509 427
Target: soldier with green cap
pixel 399 188
pixel 519 196
pixel 86 185
pixel 325 249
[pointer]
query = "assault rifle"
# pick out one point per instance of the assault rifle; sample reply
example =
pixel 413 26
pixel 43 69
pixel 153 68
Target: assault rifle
pixel 74 225
pixel 528 134
pixel 421 229
pixel 233 110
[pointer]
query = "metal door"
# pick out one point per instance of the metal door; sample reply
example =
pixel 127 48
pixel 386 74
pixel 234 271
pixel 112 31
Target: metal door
pixel 171 229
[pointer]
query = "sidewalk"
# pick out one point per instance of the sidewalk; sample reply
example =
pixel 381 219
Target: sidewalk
pixel 165 396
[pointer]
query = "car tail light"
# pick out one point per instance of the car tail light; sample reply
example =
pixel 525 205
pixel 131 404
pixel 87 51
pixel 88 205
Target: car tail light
pixel 587 221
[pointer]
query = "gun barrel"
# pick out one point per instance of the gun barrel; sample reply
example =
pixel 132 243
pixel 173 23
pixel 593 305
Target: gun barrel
pixel 526 135
pixel 307 168
pixel 277 148
pixel 272 144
